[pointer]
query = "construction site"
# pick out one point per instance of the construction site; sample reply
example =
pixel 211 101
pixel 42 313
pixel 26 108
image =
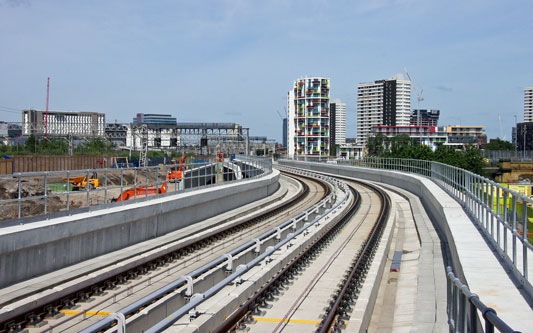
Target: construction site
pixel 29 194
pixel 203 153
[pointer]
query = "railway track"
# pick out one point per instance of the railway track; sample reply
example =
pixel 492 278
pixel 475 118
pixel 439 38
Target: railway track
pixel 273 306
pixel 265 253
pixel 48 317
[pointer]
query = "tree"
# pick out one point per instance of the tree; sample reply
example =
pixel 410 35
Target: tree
pixel 95 146
pixel 473 160
pixel 376 145
pixel 497 144
pixel 333 149
pixel 403 146
pixel 31 144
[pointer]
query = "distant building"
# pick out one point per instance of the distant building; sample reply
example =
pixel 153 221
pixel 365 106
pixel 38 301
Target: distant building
pixel 63 123
pixel 284 133
pixel 116 133
pixel 156 130
pixel 424 117
pixel 528 104
pixel 155 120
pixel 524 137
pixel 350 151
pixel 430 136
pixel 337 120
pixel 382 103
pixel 466 135
pixel 434 136
pixel 308 118
pixel 10 130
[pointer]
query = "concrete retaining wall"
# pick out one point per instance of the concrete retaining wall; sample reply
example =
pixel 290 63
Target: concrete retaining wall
pixel 41 247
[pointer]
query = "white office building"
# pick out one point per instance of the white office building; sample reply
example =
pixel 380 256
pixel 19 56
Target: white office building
pixel 308 118
pixel 382 102
pixel 63 123
pixel 528 104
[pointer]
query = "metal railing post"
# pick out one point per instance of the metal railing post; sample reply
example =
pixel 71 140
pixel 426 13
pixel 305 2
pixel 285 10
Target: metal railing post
pixel 105 188
pixel 87 188
pixel 45 193
pixel 19 198
pixel 515 230
pixel 68 190
pixel 506 220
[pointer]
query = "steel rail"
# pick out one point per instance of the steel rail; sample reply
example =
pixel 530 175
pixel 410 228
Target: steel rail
pixel 247 308
pixel 158 294
pixel 339 306
pixel 199 298
pixel 52 308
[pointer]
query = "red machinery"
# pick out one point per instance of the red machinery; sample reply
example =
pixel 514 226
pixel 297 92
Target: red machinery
pixel 175 175
pixel 141 191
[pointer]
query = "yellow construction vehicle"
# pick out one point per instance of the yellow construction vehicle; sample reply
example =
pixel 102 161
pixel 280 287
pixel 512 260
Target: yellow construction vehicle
pixel 81 182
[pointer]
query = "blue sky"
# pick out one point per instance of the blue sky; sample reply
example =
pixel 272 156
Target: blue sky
pixel 234 61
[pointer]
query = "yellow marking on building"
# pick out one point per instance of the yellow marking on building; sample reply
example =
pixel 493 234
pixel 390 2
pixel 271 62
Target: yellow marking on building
pixel 88 313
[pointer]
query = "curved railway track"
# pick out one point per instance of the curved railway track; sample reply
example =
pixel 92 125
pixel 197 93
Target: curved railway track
pixel 51 311
pixel 345 294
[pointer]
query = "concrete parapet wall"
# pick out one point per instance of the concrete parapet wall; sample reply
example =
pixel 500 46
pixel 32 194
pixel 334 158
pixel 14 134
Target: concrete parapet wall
pixel 41 247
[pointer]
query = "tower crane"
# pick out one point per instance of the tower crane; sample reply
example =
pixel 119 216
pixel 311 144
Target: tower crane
pixel 419 97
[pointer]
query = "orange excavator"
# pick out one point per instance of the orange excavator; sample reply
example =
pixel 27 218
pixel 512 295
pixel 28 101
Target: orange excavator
pixel 141 191
pixel 175 175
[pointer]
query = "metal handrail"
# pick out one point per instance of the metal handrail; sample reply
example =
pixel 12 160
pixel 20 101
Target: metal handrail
pixel 464 308
pixel 330 199
pixel 477 195
pixel 505 225
pixel 195 176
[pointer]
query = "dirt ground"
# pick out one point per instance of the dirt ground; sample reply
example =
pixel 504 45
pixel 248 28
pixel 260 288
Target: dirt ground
pixel 31 186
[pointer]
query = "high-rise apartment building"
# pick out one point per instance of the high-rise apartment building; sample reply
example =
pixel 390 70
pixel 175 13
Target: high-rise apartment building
pixel 425 117
pixel 337 120
pixel 528 104
pixel 308 117
pixel 382 102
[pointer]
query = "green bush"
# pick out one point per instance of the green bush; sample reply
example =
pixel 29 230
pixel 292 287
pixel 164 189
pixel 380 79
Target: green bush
pixel 403 146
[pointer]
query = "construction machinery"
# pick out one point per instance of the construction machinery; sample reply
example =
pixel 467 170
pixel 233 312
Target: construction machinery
pixel 140 191
pixel 175 175
pixel 120 162
pixel 82 182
